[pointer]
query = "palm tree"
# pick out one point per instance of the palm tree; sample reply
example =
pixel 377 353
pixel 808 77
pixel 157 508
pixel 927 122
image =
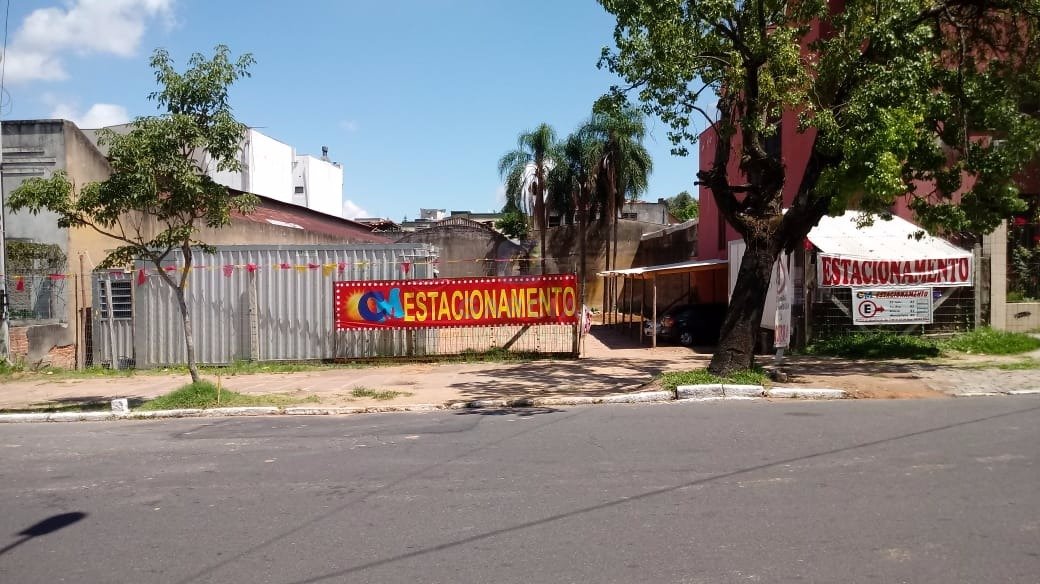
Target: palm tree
pixel 624 163
pixel 573 182
pixel 526 171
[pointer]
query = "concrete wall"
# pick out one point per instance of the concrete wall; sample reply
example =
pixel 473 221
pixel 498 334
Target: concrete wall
pixel 1022 317
pixel 322 183
pixel 33 148
pixel 649 212
pixel 467 249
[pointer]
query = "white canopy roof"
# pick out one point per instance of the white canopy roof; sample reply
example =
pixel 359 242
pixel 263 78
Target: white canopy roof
pixel 890 240
pixel 648 272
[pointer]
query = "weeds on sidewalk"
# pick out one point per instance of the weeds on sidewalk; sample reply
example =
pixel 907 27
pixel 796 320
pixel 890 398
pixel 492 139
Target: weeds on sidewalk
pixel 673 379
pixel 987 341
pixel 890 345
pixel 204 395
pixel 385 395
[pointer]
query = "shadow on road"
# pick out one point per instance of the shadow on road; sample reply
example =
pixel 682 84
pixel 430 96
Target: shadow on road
pixel 47 526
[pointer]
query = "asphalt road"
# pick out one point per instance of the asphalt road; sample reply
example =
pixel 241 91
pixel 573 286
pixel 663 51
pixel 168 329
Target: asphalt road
pixel 937 491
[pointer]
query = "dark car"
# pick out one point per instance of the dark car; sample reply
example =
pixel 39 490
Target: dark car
pixel 690 324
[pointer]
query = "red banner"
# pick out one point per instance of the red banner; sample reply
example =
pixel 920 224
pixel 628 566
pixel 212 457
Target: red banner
pixel 456 302
pixel 839 271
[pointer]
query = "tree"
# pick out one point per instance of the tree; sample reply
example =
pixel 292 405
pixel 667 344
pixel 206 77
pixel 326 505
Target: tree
pixel 573 182
pixel 892 95
pixel 160 192
pixel 624 165
pixel 683 206
pixel 526 171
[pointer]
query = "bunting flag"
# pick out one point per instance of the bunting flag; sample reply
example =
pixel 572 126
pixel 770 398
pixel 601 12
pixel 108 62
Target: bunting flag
pixel 19 284
pixel 327 269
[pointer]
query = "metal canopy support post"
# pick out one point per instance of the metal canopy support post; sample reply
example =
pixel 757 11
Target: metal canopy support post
pixel 631 317
pixel 653 280
pixel 642 307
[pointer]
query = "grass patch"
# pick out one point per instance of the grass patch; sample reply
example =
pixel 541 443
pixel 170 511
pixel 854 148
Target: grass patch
pixel 204 395
pixel 987 341
pixel 889 345
pixel 673 379
pixel 381 395
pixel 1019 365
pixel 18 371
pixel 875 345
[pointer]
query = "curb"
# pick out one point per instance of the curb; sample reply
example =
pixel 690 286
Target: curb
pixel 682 394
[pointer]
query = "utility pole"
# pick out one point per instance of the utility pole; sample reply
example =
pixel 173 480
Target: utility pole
pixel 5 329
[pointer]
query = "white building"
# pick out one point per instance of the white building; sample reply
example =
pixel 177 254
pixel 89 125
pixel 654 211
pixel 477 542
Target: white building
pixel 318 183
pixel 272 169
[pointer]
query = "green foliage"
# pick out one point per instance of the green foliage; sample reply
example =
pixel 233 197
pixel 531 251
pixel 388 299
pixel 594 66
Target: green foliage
pixel 889 345
pixel 1025 264
pixel 987 341
pixel 934 101
pixel 673 379
pixel 384 395
pixel 513 224
pixel 203 395
pixel 683 206
pixel 875 345
pixel 10 368
pixel 38 258
pixel 160 192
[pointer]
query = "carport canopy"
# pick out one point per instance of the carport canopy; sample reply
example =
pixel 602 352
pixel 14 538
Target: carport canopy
pixel 652 272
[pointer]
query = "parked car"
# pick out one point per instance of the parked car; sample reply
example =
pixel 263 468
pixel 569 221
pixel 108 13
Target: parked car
pixel 689 324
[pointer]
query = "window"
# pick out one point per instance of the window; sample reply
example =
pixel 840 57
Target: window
pixel 122 300
pixel 298 190
pixel 630 216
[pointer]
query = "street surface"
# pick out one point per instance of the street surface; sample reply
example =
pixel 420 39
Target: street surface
pixel 922 491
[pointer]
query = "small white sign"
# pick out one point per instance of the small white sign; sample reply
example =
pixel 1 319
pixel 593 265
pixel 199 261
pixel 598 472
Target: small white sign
pixel 892 306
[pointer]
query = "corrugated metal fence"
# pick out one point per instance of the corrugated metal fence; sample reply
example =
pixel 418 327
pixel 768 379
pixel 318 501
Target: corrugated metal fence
pixel 263 303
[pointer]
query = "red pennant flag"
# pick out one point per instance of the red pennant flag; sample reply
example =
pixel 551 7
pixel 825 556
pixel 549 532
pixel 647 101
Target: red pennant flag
pixel 141 277
pixel 228 270
pixel 170 268
pixel 286 266
pixel 406 266
pixel 313 266
pixel 250 268
pixel 56 277
pixel 19 284
pixel 342 266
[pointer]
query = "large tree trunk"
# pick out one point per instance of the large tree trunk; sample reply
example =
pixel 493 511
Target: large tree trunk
pixel 737 337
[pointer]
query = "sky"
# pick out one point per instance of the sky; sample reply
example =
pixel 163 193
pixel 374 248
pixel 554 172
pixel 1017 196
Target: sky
pixel 417 99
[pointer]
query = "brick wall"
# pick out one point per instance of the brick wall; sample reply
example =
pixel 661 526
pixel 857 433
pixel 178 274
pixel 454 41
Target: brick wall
pixel 63 356
pixel 19 343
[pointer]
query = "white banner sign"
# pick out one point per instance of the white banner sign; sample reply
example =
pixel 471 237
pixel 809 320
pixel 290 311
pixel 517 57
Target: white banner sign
pixel 892 306
pixel 838 271
pixel 782 321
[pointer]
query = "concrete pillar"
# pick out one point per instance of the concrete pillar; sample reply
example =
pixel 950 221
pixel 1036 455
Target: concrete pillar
pixel 994 246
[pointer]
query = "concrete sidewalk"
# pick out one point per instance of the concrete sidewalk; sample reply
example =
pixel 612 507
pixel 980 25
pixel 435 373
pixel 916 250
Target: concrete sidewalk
pixel 612 362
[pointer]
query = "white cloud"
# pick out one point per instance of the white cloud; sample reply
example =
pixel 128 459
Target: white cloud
pixel 98 116
pixel 351 210
pixel 81 27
